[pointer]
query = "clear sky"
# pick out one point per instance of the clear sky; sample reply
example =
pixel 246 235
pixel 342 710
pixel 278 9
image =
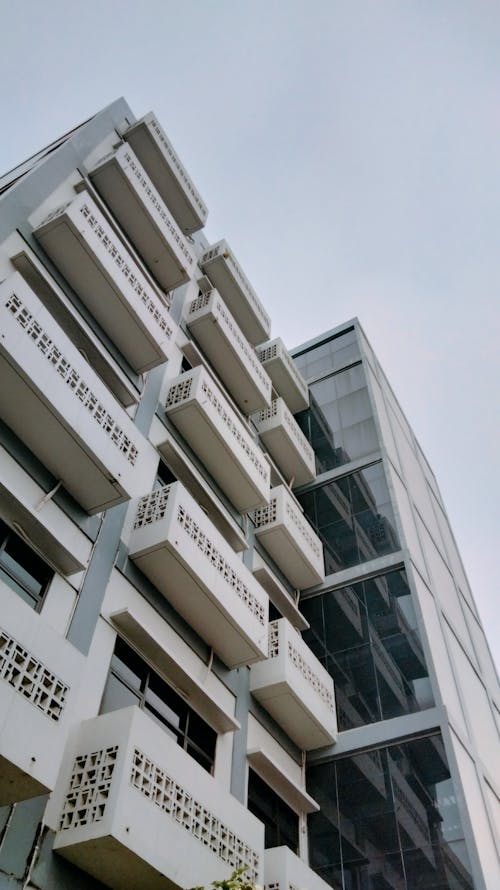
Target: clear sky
pixel 349 151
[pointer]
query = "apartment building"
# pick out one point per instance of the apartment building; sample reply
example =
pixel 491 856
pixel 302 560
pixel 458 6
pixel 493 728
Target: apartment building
pixel 235 630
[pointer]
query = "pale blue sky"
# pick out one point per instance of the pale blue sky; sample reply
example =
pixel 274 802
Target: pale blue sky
pixel 349 151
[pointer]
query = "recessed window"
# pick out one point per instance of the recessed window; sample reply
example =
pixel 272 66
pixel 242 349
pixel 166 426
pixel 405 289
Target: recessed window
pixel 132 682
pixel 185 365
pixel 274 613
pixel 22 569
pixel 164 475
pixel 281 823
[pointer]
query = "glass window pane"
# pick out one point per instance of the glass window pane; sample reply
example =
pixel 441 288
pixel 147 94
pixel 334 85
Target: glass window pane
pixel 365 636
pixel 131 681
pixel 339 422
pixel 117 695
pixel 165 701
pixel 388 820
pixel 353 517
pixel 126 664
pixel 281 823
pixel 21 568
pixel 17 588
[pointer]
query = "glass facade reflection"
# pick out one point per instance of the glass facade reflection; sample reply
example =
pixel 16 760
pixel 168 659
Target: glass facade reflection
pixel 336 352
pixel 353 517
pixel 365 636
pixel 389 820
pixel 339 423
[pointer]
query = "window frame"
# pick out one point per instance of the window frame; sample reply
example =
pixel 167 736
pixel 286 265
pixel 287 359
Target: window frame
pixel 14 580
pixel 279 807
pixel 180 734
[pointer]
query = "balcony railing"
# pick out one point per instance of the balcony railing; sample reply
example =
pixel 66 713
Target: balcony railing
pixel 226 275
pixel 122 182
pixel 204 417
pixel 283 870
pixel 287 536
pixel 138 811
pixel 286 443
pixel 188 560
pixel 286 377
pixel 228 350
pixel 295 688
pixel 39 671
pixel 99 268
pixel 161 162
pixel 56 404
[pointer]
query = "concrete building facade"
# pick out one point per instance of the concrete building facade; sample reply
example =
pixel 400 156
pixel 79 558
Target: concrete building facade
pixel 235 629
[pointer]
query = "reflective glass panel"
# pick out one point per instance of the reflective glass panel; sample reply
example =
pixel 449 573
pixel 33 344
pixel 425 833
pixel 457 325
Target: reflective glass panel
pixel 281 823
pixel 339 422
pixel 21 568
pixel 389 819
pixel 132 682
pixel 353 517
pixel 366 637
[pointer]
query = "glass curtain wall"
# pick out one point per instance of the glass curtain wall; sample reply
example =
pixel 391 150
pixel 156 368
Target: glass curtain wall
pixel 366 637
pixel 354 518
pixel 389 820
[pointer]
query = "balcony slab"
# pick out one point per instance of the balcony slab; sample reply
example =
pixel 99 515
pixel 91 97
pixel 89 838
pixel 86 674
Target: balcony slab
pixel 138 811
pixel 161 162
pixel 177 547
pixel 124 185
pixel 54 401
pixel 226 274
pixel 211 427
pixel 296 689
pixel 86 250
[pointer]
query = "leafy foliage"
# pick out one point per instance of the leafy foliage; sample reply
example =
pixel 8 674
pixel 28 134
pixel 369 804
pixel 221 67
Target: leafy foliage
pixel 235 882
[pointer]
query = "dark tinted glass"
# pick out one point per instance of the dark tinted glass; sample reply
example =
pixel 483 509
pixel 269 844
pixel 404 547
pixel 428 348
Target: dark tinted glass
pixel 132 682
pixel 365 636
pixel 164 475
pixel 21 568
pixel 353 517
pixel 280 822
pixel 117 695
pixel 339 422
pixel 389 819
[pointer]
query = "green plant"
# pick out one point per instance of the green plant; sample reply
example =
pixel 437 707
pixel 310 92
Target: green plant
pixel 235 882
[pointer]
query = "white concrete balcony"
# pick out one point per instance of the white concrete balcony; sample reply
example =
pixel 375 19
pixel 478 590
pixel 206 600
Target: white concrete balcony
pixel 287 379
pixel 286 443
pixel 177 547
pixel 89 254
pixel 229 352
pixel 295 688
pixel 283 870
pixel 225 273
pixel 39 671
pixel 284 531
pixel 161 162
pixel 123 183
pixel 138 811
pixel 56 404
pixel 205 419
